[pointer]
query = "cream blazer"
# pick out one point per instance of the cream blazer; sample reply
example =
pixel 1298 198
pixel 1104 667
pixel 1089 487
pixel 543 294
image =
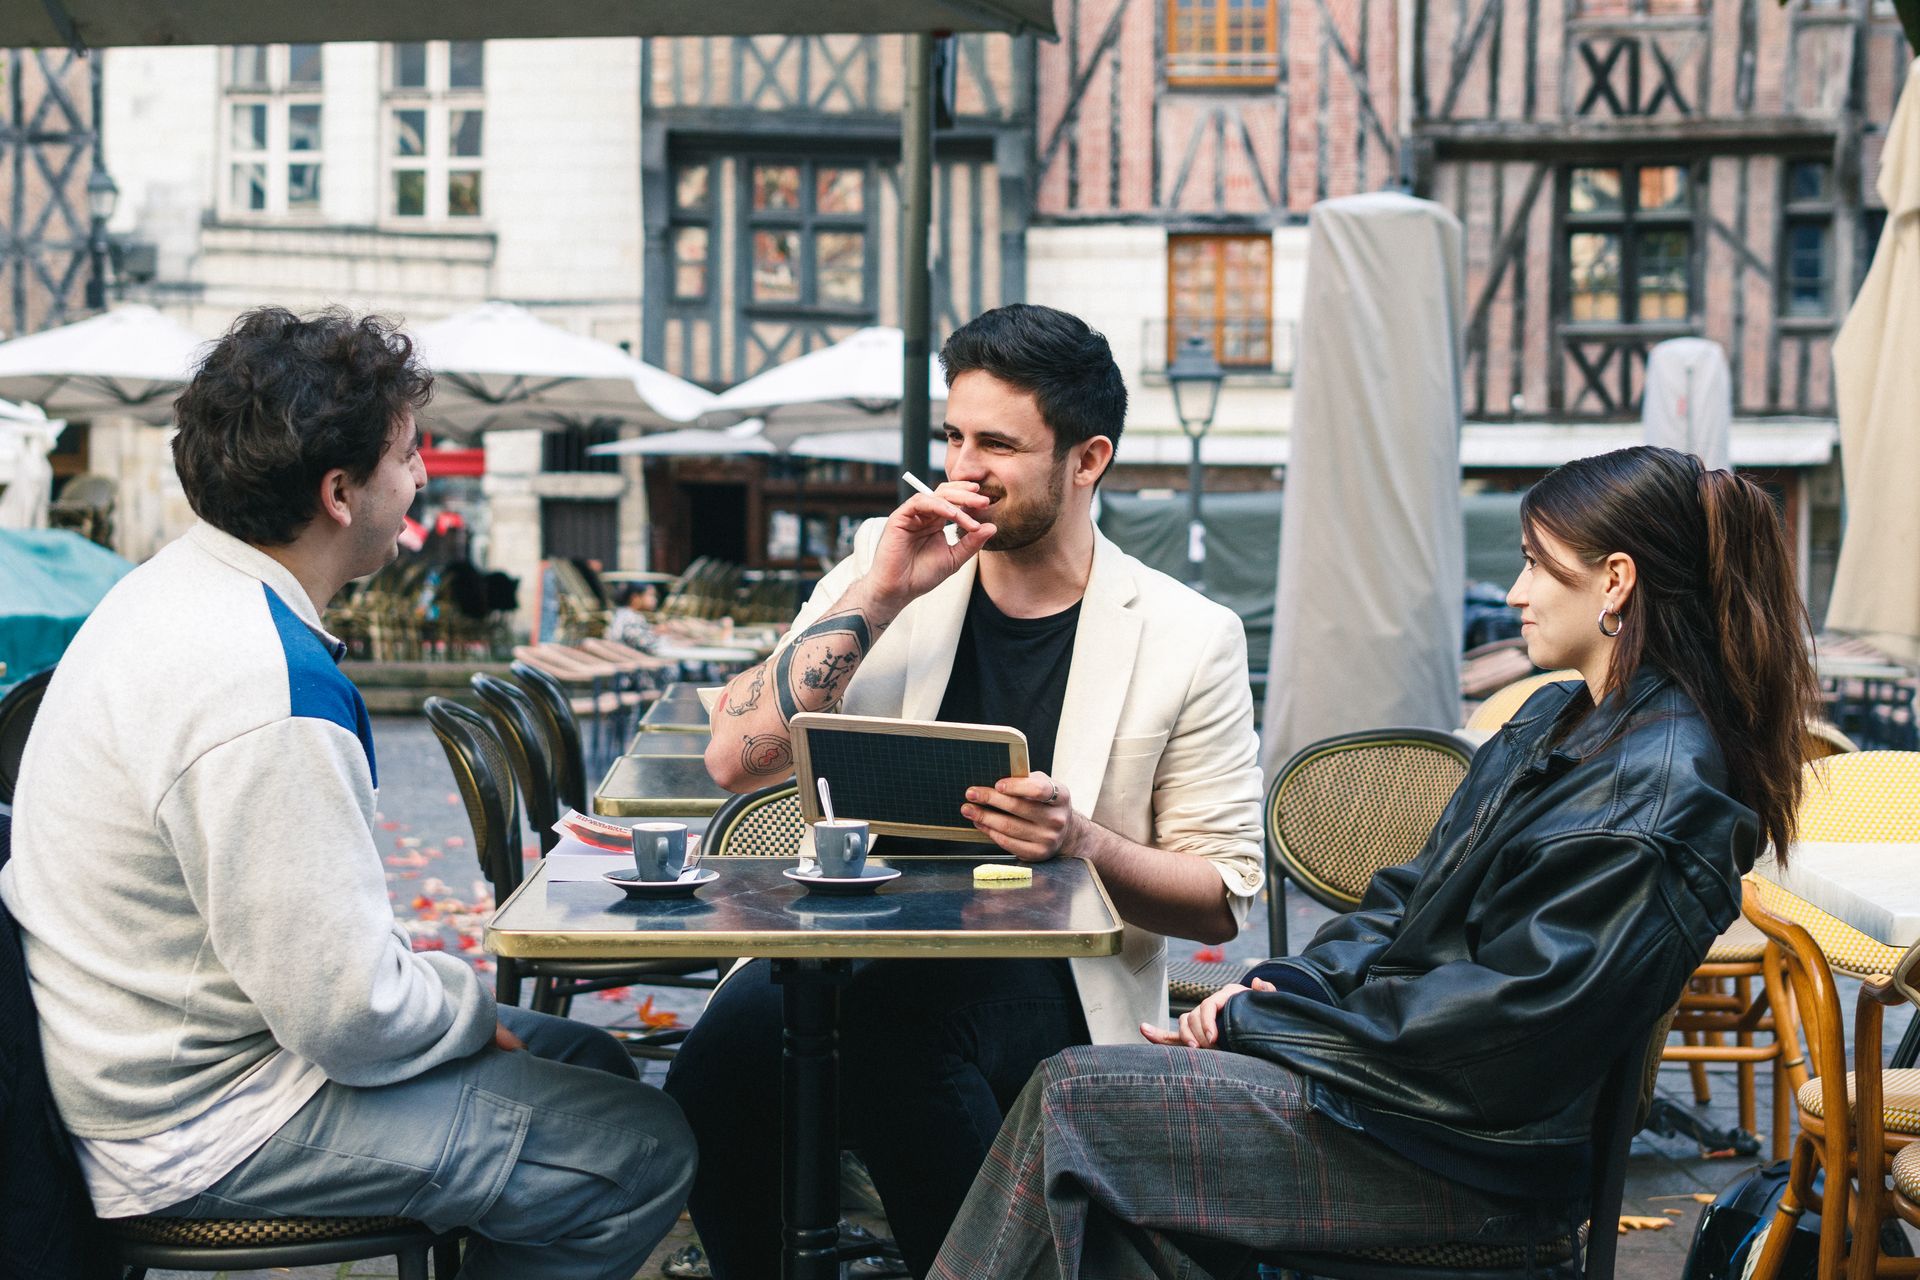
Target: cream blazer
pixel 1156 739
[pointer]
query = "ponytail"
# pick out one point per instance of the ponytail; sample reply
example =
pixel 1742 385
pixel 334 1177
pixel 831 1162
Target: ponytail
pixel 1768 684
pixel 1715 607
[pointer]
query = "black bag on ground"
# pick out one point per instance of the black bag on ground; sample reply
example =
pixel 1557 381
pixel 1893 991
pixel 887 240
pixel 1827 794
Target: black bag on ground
pixel 1733 1222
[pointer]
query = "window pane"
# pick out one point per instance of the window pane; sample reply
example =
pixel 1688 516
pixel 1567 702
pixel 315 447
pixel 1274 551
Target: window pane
pixel 689 262
pixel 1195 264
pixel 463 194
pixel 1593 273
pixel 840 259
pixel 839 191
pixel 249 127
pixel 776 186
pixel 409 133
pixel 247 68
pixel 690 189
pixel 1663 187
pixel 250 186
pixel 409 193
pixel 1808 258
pixel 303 186
pixel 1594 191
pixel 1663 275
pixel 463 133
pixel 303 64
pixel 466 64
pixel 410 66
pixel 776 274
pixel 303 126
pixel 1807 180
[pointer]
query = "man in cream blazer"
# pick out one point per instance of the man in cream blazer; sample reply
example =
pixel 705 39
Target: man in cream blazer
pixel 1131 687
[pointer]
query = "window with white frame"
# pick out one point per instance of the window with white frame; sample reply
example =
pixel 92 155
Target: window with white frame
pixel 435 123
pixel 273 129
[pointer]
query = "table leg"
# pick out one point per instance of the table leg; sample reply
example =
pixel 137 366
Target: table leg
pixel 810 1117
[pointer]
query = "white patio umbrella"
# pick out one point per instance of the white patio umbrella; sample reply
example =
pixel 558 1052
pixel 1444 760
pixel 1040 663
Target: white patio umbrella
pixel 500 366
pixel 26 436
pixel 748 439
pixel 1876 586
pixel 131 360
pixel 853 385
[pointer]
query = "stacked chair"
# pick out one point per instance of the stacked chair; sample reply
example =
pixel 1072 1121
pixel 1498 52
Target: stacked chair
pixel 1856 1131
pixel 1340 810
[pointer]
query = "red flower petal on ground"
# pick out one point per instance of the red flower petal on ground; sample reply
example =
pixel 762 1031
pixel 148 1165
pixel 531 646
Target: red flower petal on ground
pixel 456 842
pixel 469 943
pixel 429 944
pixel 616 993
pixel 453 797
pixel 1210 955
pixel 650 1019
pixel 422 902
pixel 389 826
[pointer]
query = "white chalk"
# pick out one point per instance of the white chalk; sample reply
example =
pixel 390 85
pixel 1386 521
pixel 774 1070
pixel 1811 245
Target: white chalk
pixel 952 531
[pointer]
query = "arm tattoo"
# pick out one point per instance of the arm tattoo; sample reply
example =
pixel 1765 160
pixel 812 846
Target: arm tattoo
pixel 811 673
pixel 752 698
pixel 766 754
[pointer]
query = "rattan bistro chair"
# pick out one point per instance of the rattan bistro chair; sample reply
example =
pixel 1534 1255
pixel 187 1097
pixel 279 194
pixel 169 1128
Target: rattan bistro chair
pixel 759 824
pixel 247 1244
pixel 1878 1155
pixel 17 710
pixel 1337 812
pixel 517 725
pixel 561 731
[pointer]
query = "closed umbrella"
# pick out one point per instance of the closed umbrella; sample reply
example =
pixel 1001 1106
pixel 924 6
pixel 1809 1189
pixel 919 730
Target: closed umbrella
pixel 1876 588
pixel 26 435
pixel 853 385
pixel 500 366
pixel 131 360
pixel 1688 403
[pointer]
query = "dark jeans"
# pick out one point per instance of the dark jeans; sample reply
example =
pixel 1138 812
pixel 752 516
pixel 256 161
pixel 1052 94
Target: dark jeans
pixel 932 1053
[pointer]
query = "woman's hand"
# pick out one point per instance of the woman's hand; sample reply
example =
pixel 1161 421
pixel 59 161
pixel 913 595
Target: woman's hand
pixel 1200 1025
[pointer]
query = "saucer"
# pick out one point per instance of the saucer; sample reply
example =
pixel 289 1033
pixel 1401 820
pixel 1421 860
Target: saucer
pixel 688 881
pixel 872 878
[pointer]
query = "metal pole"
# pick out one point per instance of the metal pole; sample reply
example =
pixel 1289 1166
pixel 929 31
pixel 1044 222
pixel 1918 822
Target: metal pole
pixel 97 229
pixel 916 221
pixel 1196 532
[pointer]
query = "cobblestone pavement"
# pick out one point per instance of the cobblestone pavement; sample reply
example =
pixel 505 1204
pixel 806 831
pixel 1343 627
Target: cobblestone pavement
pixel 438 891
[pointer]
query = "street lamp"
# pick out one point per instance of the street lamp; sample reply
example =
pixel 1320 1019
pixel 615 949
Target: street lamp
pixel 1195 377
pixel 102 196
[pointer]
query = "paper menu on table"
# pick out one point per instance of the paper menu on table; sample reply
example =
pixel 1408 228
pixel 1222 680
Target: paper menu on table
pixel 573 859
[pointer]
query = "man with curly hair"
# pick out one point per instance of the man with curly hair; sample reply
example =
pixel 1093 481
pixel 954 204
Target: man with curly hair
pixel 234 1025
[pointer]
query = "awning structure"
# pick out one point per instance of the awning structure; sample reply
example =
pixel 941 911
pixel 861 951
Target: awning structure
pixel 104 23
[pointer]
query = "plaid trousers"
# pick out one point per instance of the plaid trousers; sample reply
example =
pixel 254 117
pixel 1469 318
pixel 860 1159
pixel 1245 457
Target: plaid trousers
pixel 1124 1162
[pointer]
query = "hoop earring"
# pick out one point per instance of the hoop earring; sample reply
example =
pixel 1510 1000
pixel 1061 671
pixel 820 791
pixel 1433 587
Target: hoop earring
pixel 1619 623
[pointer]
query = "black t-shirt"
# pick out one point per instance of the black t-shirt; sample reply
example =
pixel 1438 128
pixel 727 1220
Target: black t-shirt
pixel 1012 671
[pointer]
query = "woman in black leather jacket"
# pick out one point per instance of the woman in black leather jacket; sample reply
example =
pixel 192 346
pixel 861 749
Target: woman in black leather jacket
pixel 1427 1068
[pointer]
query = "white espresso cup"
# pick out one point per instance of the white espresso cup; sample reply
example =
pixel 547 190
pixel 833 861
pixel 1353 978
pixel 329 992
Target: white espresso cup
pixel 840 847
pixel 659 849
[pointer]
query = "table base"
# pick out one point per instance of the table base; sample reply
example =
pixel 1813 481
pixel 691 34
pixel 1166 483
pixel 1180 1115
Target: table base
pixel 810 1117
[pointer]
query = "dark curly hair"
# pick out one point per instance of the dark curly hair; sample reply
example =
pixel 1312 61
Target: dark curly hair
pixel 279 402
pixel 1066 366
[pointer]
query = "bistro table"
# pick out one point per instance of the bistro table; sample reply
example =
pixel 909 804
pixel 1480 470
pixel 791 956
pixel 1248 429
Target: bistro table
pixel 932 911
pixel 670 786
pixel 681 691
pixel 676 715
pixel 647 742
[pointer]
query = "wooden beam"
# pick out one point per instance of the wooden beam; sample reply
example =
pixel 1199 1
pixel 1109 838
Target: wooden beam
pixel 1463 56
pixel 1510 241
pixel 1077 91
pixel 1333 41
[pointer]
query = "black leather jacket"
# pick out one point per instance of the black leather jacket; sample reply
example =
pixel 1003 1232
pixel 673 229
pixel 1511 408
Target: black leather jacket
pixel 1467 1010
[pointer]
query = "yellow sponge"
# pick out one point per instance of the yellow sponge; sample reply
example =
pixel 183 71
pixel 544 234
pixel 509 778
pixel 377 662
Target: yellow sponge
pixel 1000 874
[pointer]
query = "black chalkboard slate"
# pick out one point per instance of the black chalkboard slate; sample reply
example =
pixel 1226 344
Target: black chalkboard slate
pixel 903 777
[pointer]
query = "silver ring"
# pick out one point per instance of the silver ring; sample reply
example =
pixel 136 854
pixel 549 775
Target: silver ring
pixel 1053 796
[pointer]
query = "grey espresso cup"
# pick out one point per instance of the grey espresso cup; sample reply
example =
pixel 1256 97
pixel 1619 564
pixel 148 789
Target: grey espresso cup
pixel 659 849
pixel 840 848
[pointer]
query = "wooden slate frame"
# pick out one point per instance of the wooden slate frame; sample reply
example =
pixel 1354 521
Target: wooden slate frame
pixel 807 723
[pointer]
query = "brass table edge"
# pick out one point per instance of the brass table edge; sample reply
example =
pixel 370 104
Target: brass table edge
pixel 855 944
pixel 652 726
pixel 656 807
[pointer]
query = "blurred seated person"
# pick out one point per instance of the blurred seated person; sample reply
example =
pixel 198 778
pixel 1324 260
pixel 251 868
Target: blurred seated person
pixel 632 625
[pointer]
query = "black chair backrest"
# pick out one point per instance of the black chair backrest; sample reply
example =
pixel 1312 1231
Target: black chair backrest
pixel 563 734
pixel 517 724
pixel 485 779
pixel 17 710
pixel 760 824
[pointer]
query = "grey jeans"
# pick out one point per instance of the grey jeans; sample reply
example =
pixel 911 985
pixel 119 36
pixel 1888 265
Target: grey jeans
pixel 559 1160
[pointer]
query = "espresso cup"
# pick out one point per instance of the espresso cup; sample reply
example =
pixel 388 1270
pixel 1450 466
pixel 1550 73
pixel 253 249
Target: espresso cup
pixel 840 848
pixel 659 849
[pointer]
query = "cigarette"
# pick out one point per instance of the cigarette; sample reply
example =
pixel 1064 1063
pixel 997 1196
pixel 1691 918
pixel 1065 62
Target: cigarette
pixel 952 531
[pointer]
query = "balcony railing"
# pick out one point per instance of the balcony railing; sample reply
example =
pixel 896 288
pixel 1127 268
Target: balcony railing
pixel 1222 67
pixel 1244 345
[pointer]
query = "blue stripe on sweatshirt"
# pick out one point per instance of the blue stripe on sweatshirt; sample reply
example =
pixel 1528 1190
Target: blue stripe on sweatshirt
pixel 315 685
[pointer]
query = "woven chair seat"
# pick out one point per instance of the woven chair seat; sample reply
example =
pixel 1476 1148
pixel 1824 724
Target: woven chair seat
pixel 238 1233
pixel 1845 947
pixel 1471 1254
pixel 1740 944
pixel 1906 1171
pixel 1900 1099
pixel 769 827
pixel 1191 981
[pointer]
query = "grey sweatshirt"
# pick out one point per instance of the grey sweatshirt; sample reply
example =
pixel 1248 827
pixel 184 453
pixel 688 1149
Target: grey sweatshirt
pixel 194 869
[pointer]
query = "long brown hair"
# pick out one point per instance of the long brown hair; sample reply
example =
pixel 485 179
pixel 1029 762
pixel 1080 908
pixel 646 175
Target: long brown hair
pixel 1715 606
